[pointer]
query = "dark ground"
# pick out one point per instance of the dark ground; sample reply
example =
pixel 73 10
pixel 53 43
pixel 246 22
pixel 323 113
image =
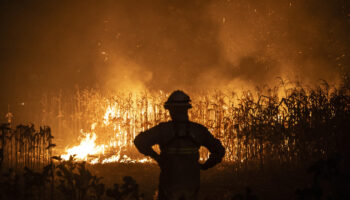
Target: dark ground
pixel 220 182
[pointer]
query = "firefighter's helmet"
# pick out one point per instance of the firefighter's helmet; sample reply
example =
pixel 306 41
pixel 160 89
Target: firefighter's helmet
pixel 178 98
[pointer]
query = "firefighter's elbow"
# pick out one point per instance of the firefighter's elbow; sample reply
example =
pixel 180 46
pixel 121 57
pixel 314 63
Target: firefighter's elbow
pixel 220 149
pixel 137 142
pixel 222 152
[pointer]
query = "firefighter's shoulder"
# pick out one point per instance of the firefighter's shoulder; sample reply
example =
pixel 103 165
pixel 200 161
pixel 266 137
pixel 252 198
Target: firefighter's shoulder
pixel 199 133
pixel 164 125
pixel 198 128
pixel 159 128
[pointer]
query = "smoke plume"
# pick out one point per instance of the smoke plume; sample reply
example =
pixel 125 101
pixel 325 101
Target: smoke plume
pixel 166 45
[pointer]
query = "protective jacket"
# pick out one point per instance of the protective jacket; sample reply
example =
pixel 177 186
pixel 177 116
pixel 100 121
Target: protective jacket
pixel 179 144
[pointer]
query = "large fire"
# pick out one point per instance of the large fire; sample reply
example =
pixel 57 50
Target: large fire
pixel 252 125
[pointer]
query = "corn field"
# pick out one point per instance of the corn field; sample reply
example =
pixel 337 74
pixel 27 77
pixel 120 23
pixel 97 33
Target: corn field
pixel 288 124
pixel 25 147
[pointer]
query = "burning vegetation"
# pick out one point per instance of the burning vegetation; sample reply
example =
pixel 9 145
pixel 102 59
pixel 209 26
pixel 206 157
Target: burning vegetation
pixel 288 123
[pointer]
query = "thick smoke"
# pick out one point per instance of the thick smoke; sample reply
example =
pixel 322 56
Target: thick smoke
pixel 135 45
pixel 206 44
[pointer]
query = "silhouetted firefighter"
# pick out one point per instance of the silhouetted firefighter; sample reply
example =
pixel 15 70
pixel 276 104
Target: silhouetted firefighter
pixel 179 141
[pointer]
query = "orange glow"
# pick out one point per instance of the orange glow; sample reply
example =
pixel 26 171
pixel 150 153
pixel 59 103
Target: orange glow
pixel 115 120
pixel 88 149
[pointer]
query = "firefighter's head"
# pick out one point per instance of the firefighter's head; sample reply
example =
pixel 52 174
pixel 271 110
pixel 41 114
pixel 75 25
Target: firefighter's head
pixel 178 104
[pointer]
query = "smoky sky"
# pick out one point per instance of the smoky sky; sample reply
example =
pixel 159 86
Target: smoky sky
pixel 168 44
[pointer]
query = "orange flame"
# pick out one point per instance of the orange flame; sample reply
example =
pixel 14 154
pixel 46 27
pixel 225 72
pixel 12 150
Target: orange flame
pixel 90 152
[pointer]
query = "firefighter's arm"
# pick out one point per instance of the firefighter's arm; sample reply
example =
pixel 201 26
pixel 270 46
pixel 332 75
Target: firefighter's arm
pixel 144 142
pixel 217 151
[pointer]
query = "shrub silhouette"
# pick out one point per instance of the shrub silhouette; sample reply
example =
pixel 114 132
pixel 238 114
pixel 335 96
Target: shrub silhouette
pixel 76 182
pixel 128 190
pixel 329 182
